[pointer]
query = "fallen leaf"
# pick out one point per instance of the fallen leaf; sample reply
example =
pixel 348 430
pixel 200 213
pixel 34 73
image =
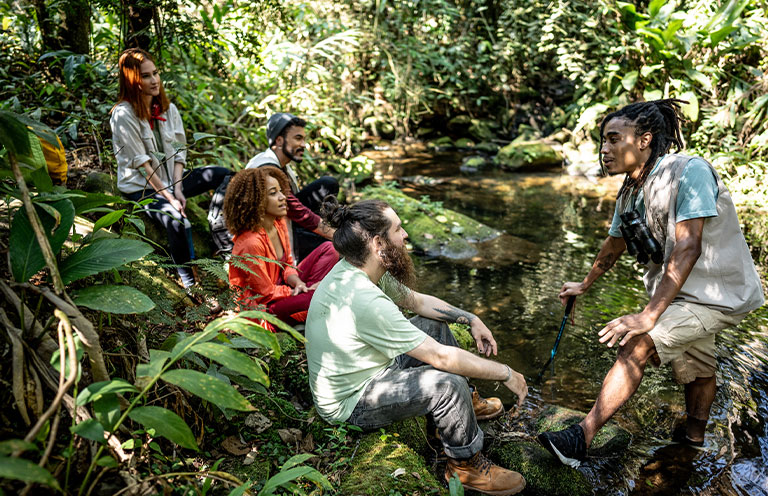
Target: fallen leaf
pixel 308 444
pixel 397 473
pixel 234 446
pixel 290 436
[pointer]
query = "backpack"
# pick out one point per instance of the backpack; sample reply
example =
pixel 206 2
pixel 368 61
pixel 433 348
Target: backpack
pixel 219 232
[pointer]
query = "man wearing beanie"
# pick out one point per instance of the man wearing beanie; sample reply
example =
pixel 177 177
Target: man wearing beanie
pixel 286 136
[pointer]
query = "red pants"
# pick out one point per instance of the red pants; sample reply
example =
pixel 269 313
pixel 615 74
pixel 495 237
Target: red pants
pixel 311 270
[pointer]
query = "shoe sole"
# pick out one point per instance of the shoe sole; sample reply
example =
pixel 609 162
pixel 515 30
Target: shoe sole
pixel 503 492
pixel 570 462
pixel 490 416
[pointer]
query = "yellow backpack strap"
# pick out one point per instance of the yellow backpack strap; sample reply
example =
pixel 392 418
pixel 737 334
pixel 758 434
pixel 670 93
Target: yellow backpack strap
pixel 56 160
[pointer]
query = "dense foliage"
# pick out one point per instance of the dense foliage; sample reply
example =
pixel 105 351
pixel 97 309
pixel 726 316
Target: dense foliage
pixel 359 71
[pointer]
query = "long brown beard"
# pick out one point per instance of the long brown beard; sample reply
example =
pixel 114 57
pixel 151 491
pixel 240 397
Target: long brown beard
pixel 398 262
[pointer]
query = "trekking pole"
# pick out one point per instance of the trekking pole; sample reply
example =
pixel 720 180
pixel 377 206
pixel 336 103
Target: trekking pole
pixel 568 308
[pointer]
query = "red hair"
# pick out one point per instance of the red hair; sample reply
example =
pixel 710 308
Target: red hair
pixel 129 76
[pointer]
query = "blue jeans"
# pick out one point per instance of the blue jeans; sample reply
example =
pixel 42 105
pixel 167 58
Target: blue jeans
pixel 411 388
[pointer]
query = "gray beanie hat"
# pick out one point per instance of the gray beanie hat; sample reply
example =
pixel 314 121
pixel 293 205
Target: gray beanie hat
pixel 276 124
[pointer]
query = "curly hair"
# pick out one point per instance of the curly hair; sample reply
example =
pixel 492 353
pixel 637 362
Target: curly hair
pixel 662 119
pixel 246 198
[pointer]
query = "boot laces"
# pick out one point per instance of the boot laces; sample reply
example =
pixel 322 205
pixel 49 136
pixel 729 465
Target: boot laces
pixel 480 462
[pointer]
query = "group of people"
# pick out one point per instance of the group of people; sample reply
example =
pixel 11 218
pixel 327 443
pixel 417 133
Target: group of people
pixel 369 365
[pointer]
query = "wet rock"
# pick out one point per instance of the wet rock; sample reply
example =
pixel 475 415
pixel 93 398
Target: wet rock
pixel 99 182
pixel 387 462
pixel 473 164
pixel 544 475
pixel 611 439
pixel 529 154
pixel 434 230
pixel 379 127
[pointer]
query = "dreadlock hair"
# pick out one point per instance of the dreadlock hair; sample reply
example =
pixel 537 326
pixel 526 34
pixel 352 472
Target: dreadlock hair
pixel 662 119
pixel 246 198
pixel 355 225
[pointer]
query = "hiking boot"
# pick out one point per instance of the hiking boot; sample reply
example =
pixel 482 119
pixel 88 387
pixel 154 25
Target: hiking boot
pixel 479 474
pixel 486 408
pixel 680 436
pixel 569 445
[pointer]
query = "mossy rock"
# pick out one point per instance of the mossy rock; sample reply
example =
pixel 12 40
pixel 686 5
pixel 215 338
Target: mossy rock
pixel 531 154
pixel 432 229
pixel 99 182
pixel 259 470
pixel 380 456
pixel 544 475
pixel 610 439
pixel 443 142
pixel 459 123
pixel 197 214
pixel 487 147
pixel 464 143
pixel 473 164
pixel 482 130
pixel 462 335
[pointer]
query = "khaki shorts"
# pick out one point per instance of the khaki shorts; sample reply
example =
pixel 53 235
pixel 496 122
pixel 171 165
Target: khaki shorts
pixel 684 337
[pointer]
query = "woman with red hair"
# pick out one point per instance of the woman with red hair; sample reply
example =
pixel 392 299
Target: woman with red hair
pixel 150 146
pixel 255 208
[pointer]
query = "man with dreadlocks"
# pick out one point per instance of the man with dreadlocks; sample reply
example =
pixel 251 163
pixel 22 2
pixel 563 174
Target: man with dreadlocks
pixel 675 214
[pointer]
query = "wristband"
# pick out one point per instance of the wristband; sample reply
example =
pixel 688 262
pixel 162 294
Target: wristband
pixel 509 373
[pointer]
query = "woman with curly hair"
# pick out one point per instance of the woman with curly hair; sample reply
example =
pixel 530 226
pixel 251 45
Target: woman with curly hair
pixel 255 208
pixel 150 147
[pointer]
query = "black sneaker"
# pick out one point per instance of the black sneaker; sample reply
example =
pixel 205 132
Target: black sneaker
pixel 568 445
pixel 680 436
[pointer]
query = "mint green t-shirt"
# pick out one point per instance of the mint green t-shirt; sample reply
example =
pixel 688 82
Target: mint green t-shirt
pixel 354 331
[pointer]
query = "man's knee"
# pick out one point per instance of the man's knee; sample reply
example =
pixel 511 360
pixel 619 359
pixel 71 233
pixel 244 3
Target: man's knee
pixel 638 350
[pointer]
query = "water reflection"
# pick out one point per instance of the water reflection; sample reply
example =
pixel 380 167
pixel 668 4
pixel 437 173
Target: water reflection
pixel 563 221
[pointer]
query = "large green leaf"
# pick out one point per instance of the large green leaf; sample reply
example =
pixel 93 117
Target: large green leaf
pixel 100 256
pixel 157 359
pixel 9 446
pixel 85 201
pixel 89 429
pixel 108 219
pixel 26 256
pixel 96 390
pixel 691 109
pixel 13 134
pixel 106 410
pixel 209 388
pixel 234 360
pixel 25 470
pixel 166 424
pixel 113 299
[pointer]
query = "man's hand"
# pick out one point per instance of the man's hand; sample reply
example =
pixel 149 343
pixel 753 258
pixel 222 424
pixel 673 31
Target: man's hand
pixel 571 289
pixel 517 385
pixel 483 337
pixel 626 327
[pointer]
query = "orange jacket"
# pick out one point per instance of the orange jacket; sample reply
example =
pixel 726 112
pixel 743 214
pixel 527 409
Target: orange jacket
pixel 261 288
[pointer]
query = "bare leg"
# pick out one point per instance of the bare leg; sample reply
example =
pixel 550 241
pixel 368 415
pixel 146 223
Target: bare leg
pixel 619 384
pixel 699 396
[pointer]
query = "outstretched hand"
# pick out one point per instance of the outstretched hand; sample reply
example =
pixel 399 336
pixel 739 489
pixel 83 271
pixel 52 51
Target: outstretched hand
pixel 483 337
pixel 625 328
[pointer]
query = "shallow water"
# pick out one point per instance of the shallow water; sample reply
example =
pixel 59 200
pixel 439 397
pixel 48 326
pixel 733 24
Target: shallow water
pixel 566 219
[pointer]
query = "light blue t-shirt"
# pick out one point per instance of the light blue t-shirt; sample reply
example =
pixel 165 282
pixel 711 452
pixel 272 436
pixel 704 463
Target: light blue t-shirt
pixel 696 195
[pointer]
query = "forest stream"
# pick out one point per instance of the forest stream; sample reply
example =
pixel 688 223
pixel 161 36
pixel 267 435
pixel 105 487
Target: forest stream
pixel 566 218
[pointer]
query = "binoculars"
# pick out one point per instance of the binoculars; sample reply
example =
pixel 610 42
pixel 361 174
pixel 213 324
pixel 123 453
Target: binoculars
pixel 640 242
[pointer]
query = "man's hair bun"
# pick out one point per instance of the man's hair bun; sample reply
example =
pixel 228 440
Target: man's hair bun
pixel 333 213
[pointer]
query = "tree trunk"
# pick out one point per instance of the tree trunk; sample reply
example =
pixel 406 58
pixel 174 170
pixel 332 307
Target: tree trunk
pixel 139 15
pixel 76 29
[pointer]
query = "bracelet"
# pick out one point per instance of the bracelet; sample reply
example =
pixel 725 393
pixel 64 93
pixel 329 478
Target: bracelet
pixel 509 373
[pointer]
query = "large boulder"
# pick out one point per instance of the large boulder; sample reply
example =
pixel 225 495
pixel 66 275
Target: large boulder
pixel 534 154
pixel 432 229
pixel 389 462
pixel 483 130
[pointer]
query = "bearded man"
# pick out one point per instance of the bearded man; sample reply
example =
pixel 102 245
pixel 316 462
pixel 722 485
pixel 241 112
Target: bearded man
pixel 370 366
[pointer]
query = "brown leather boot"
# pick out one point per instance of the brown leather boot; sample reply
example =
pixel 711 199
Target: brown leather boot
pixel 479 474
pixel 486 408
